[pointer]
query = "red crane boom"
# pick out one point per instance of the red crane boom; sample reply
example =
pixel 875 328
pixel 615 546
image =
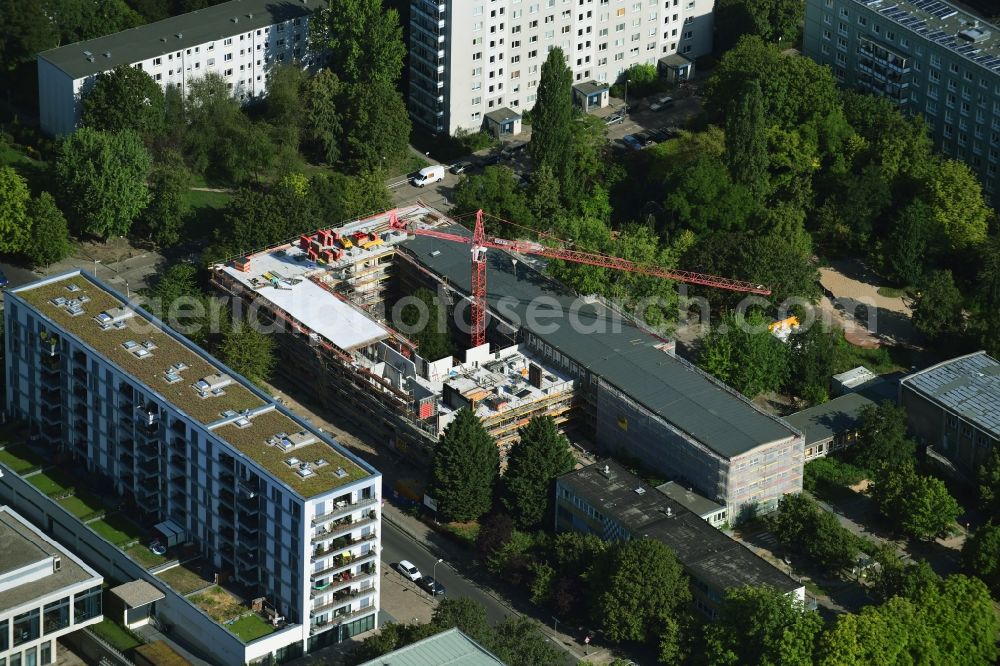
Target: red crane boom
pixel 480 242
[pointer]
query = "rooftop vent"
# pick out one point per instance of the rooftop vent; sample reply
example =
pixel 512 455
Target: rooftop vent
pixel 974 34
pixel 72 288
pixel 236 19
pixel 341 472
pixel 607 473
pixel 56 563
pixel 640 491
pixel 107 54
pixel 292 462
pixel 87 53
pixel 305 469
pixel 242 422
pixel 179 35
pixel 320 462
pixel 163 39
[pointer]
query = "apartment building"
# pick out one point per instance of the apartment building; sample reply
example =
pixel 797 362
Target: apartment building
pixel 954 408
pixel 240 40
pixel 469 58
pixel 46 592
pixel 270 502
pixel 607 500
pixel 930 57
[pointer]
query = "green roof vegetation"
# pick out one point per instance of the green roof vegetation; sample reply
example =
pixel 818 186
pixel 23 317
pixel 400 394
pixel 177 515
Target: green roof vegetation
pixel 20 459
pixel 252 441
pixel 250 627
pixel 143 556
pixel 53 482
pixel 117 529
pixel 82 505
pixel 183 579
pixel 149 370
pixel 116 635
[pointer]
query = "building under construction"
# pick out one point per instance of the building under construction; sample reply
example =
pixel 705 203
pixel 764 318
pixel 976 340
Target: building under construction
pixel 328 293
pixel 614 383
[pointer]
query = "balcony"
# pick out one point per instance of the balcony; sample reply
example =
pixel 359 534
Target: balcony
pixel 344 525
pixel 342 511
pixel 339 544
pixel 345 594
pixel 340 566
pixel 341 618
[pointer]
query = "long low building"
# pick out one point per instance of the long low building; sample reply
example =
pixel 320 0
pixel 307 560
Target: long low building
pixel 607 500
pixel 640 400
pixel 240 40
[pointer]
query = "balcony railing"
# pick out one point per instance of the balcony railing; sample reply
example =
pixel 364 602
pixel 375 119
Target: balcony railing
pixel 343 526
pixel 343 617
pixel 341 543
pixel 339 569
pixel 342 511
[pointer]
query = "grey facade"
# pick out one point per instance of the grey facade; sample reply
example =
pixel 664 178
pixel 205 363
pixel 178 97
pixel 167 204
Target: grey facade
pixel 607 500
pixel 932 58
pixel 265 498
pixel 954 407
pixel 640 401
pixel 469 57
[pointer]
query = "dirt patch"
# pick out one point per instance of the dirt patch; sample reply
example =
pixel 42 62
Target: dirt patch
pixel 219 604
pixel 869 318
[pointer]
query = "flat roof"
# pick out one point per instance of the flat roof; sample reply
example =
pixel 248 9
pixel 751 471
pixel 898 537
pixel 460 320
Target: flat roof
pixel 675 60
pixel 625 356
pixel 689 499
pixel 644 512
pixel 590 87
pixel 942 23
pixel 451 648
pixel 174 34
pixel 829 419
pixel 22 544
pixel 503 115
pixel 968 386
pixel 137 593
pixel 239 401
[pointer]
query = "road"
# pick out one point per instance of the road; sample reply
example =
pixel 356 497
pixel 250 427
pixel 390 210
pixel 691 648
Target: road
pixel 397 546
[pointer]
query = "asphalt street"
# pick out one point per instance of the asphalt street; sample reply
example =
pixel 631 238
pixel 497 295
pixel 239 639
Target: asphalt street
pixel 398 546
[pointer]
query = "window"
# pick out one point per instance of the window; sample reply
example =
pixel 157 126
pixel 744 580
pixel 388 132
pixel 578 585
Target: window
pixel 227 41
pixel 87 605
pixel 56 616
pixel 157 61
pixel 26 627
pixel 4 630
pixel 227 57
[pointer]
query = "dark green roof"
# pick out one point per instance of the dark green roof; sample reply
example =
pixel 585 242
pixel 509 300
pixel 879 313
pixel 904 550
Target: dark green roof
pixel 626 357
pixel 824 422
pixel 147 41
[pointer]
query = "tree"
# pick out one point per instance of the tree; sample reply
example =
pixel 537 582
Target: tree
pixel 989 484
pixel 432 338
pixel 904 253
pixel 920 505
pixel 958 209
pixel 518 640
pixel 552 117
pixel 376 126
pixel 812 355
pixel 465 467
pixel 703 198
pixel 464 613
pixel 178 300
pixel 801 525
pixel 255 220
pixel 285 96
pixel 323 120
pixel 895 578
pixel 249 352
pixel 216 129
pixel 541 454
pixel 746 140
pixel 494 190
pixel 760 625
pixel 741 352
pixel 544 198
pixel 772 20
pixel 885 634
pixel 638 590
pixel 495 531
pixel 102 180
pixel 882 443
pixel 14 198
pixel 362 41
pixel 168 209
pixel 390 637
pixel 937 310
pixel 341 197
pixel 124 98
pixel 49 240
pixel 981 555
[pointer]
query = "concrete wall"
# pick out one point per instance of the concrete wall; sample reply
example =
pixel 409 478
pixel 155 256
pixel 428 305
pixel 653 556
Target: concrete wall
pixel 57 108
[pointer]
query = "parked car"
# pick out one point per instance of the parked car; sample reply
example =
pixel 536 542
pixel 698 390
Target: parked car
pixel 615 118
pixel 406 568
pixel 631 142
pixel 645 139
pixel 428 175
pixel 513 149
pixel 662 103
pixel 494 158
pixel 3 280
pixel 431 586
pixel 459 167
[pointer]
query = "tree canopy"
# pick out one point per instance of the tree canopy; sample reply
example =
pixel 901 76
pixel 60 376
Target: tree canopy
pixel 541 454
pixel 362 41
pixel 465 468
pixel 124 98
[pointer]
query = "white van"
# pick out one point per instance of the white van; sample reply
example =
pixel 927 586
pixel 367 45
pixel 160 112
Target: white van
pixel 428 175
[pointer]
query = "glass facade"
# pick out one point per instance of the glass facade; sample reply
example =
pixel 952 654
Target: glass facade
pixel 4 636
pixel 87 605
pixel 26 627
pixel 56 616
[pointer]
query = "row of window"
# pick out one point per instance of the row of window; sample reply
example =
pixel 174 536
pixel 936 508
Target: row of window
pixel 31 625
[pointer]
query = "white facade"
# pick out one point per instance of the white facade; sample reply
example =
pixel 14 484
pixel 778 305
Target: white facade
pixel 229 479
pixel 46 592
pixel 470 57
pixel 174 54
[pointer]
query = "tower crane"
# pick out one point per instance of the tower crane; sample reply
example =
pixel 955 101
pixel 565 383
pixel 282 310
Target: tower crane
pixel 481 242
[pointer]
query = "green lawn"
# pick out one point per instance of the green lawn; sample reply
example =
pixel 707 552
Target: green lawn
pixel 117 529
pixel 250 627
pixel 141 553
pixel 183 579
pixel 82 505
pixel 115 635
pixel 53 482
pixel 20 459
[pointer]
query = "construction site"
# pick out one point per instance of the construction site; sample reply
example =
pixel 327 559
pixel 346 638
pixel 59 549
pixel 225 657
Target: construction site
pixel 611 385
